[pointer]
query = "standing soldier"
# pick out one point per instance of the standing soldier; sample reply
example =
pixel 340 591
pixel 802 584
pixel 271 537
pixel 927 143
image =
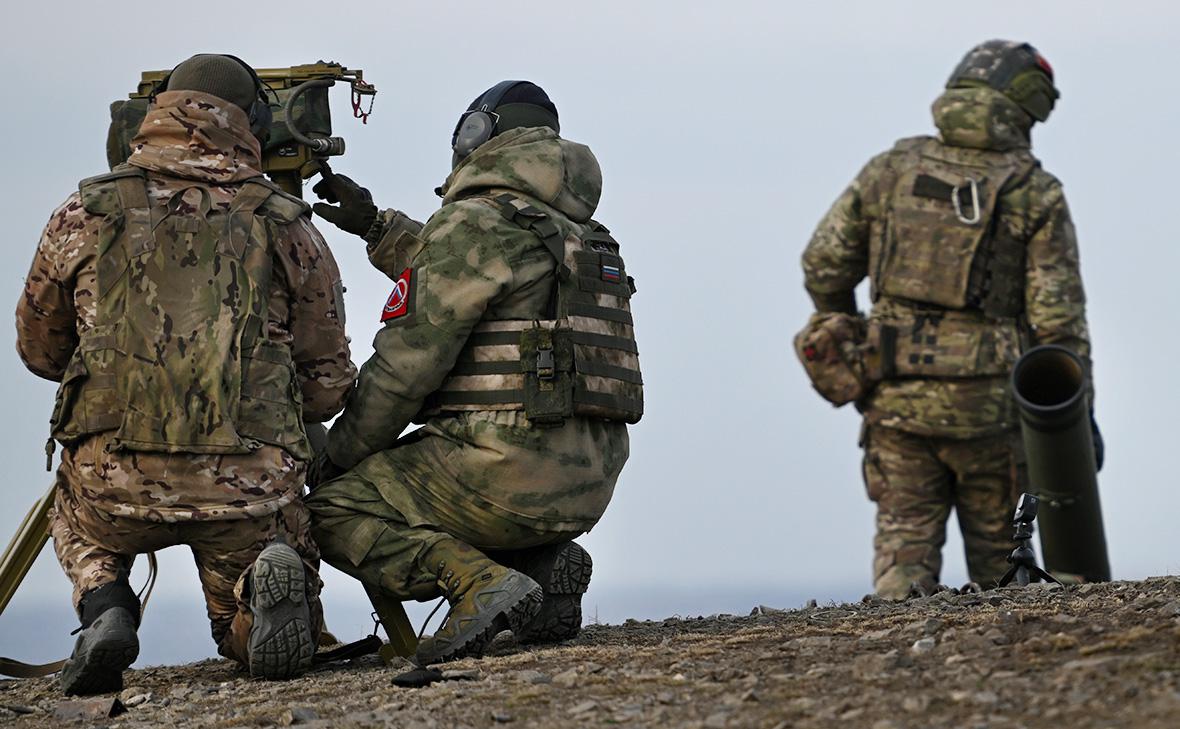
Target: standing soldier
pixel 509 334
pixel 971 257
pixel 192 315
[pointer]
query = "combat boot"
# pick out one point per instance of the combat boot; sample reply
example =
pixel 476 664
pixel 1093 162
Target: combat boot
pixel 281 643
pixel 485 598
pixel 563 571
pixel 107 645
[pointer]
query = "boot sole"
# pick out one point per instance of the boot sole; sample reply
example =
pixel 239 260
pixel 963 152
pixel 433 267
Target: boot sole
pixel 99 659
pixel 512 616
pixel 560 616
pixel 281 644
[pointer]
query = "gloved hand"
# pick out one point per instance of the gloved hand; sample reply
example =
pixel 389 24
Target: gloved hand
pixel 355 212
pixel 1099 445
pixel 321 470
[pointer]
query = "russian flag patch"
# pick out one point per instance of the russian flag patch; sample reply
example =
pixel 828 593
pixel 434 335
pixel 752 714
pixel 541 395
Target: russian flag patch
pixel 612 274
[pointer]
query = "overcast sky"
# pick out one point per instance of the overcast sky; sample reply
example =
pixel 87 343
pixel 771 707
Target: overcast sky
pixel 724 132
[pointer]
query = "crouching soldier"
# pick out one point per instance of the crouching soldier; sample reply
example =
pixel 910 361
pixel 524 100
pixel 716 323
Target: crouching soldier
pixel 186 306
pixel 509 335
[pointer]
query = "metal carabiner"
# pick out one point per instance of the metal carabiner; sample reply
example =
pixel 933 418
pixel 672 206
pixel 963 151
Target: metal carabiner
pixel 976 214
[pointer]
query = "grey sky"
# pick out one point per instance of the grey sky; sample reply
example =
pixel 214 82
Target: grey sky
pixel 724 132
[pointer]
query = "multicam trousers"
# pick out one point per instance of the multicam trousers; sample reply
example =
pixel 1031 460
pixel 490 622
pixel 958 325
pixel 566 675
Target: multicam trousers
pixel 916 481
pixel 95 547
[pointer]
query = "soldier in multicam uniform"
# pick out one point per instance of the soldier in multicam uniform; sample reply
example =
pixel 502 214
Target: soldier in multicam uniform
pixel 509 335
pixel 193 317
pixel 971 257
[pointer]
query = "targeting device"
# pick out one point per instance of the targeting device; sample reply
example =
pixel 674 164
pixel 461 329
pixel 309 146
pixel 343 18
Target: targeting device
pixel 299 139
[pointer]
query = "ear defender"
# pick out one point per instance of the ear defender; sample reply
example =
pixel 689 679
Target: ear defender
pixel 478 124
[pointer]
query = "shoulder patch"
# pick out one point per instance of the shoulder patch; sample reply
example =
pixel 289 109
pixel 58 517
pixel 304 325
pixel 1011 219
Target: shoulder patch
pixel 398 303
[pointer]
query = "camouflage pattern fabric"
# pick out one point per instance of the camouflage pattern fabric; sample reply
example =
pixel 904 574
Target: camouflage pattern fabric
pixel 949 439
pixel 490 478
pixel 916 481
pixel 94 547
pixel 469 264
pixel 378 521
pixel 305 314
pixel 1033 211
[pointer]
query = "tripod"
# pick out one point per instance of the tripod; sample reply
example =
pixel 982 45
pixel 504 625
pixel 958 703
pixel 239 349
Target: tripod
pixel 1024 567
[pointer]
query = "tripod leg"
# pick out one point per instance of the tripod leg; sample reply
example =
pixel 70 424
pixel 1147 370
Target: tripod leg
pixel 1007 578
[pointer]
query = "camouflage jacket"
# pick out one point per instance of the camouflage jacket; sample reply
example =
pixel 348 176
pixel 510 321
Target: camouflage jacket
pixel 1031 210
pixel 466 265
pixel 192 137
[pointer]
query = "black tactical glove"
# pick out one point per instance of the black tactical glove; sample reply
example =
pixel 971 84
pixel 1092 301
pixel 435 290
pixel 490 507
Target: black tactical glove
pixel 321 470
pixel 1099 445
pixel 355 212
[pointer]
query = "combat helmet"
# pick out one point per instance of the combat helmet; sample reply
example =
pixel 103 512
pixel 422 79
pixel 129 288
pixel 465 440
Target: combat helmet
pixel 1014 69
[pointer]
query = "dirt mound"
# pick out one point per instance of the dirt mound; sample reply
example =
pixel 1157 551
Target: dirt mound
pixel 1090 656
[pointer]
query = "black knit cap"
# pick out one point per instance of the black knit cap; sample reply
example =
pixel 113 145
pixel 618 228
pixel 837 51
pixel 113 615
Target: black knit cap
pixel 215 74
pixel 524 105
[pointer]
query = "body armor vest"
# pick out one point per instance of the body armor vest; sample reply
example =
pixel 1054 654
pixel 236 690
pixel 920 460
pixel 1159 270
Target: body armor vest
pixel 582 361
pixel 952 279
pixel 178 359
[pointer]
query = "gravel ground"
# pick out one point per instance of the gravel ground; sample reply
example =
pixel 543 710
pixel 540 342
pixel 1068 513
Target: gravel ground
pixel 1089 656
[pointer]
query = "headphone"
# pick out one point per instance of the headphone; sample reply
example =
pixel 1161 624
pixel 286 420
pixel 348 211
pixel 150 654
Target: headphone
pixel 478 124
pixel 259 113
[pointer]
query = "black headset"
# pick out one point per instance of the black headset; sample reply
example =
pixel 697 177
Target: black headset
pixel 478 124
pixel 259 113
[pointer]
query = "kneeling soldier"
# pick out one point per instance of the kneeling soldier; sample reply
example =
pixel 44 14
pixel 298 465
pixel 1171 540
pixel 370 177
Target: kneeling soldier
pixel 509 335
pixel 186 306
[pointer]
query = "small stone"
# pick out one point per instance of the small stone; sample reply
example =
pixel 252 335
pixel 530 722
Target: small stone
pixel 583 708
pixel 591 668
pixel 566 679
pixel 501 717
pixel 469 674
pixel 666 697
pixel 180 692
pixel 298 715
pixel 996 637
pixel 916 704
pixel 1171 609
pixel 750 695
pixel 88 709
pixel 137 699
pixel 987 698
pixel 529 676
pixel 883 634
pixel 813 642
pixel 922 646
pixel 885 724
pixel 20 709
pixel 717 721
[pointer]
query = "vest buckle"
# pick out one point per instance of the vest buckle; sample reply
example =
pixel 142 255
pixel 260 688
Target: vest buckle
pixel 546 364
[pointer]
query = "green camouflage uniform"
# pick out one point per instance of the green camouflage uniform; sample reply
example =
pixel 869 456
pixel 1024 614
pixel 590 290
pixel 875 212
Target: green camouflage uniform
pixel 488 476
pixel 194 154
pixel 950 438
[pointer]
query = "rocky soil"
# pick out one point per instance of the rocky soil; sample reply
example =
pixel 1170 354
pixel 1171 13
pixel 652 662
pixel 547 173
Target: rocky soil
pixel 1089 656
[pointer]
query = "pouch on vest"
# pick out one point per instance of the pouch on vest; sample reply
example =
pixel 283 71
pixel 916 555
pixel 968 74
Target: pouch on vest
pixel 831 349
pixel 939 228
pixel 547 360
pixel 946 345
pixel 583 361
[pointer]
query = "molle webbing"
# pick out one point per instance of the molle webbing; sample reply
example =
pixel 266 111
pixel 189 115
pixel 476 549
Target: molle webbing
pixel 942 343
pixel 581 360
pixel 942 245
